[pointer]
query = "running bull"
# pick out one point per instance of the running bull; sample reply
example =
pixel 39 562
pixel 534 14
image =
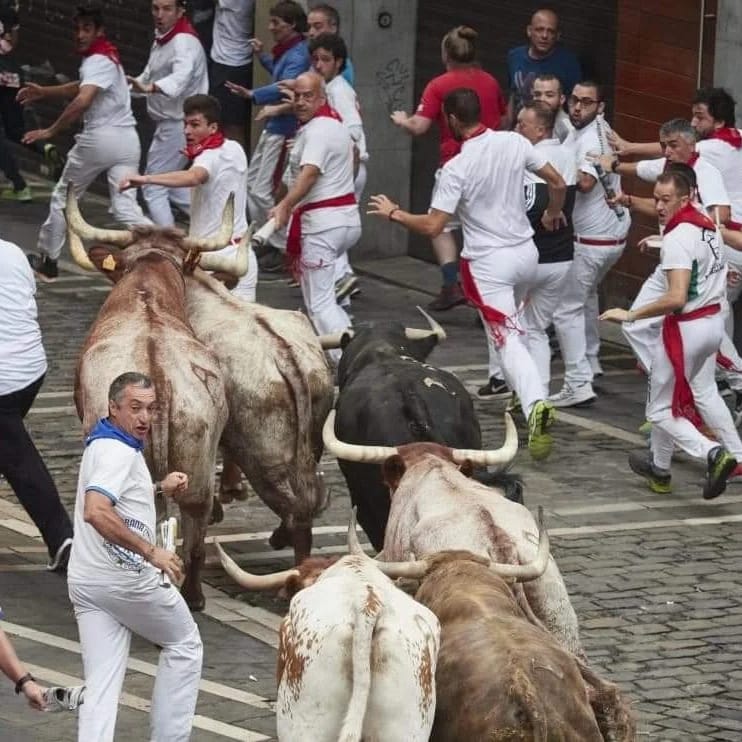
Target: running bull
pixel 142 326
pixel 389 396
pixel 436 506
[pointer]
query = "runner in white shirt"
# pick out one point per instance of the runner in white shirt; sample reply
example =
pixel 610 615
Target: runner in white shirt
pixel 114 573
pixel 108 142
pixel 548 89
pixel 483 186
pixel 218 168
pixel 176 69
pixel 320 206
pixel 693 327
pixel 329 57
pixel 600 237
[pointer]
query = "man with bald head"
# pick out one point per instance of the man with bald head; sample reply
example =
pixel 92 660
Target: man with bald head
pixel 543 55
pixel 320 205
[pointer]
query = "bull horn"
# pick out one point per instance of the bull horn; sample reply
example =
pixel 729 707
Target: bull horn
pixel 80 227
pixel 414 570
pixel 78 251
pixel 501 457
pixel 533 570
pixel 435 329
pixel 332 340
pixel 354 545
pixel 249 581
pixel 351 451
pixel 236 265
pixel 223 236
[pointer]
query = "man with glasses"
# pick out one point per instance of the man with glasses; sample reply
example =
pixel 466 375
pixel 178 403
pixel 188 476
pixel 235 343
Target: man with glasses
pixel 600 237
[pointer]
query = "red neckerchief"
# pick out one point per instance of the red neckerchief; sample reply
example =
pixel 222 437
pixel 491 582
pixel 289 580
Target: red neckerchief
pixel 728 134
pixel 213 141
pixel 689 215
pixel 182 25
pixel 280 49
pixel 692 160
pixel 324 111
pixel 101 45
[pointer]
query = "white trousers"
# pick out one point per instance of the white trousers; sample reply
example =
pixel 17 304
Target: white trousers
pixel 342 264
pixel 164 156
pixel 502 278
pixel 318 255
pixel 260 177
pixel 576 315
pixel 701 341
pixel 106 617
pixel 112 150
pixel 545 293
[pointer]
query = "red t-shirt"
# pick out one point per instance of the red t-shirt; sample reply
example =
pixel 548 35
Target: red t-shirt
pixel 491 100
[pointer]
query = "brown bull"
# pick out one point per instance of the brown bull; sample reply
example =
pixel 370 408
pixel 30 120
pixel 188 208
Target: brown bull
pixel 499 676
pixel 142 326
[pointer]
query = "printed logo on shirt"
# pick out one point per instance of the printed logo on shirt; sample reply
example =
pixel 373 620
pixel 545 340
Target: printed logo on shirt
pixel 124 558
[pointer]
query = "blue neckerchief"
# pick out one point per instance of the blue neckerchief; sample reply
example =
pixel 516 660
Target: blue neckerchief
pixel 106 429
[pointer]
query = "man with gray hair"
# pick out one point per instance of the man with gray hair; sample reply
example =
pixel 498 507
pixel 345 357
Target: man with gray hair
pixel 114 572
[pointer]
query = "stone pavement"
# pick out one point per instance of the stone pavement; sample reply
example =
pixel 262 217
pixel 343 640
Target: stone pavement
pixel 654 580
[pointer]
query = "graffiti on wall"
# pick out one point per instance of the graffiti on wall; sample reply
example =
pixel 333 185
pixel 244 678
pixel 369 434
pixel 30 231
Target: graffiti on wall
pixel 393 80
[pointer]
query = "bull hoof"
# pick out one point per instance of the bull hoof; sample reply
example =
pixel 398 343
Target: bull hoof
pixel 228 494
pixel 280 538
pixel 217 513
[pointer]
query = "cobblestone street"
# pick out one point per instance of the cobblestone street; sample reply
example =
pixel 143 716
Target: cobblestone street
pixel 655 580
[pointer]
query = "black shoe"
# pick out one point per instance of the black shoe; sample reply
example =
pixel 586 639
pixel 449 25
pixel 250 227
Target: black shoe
pixel 658 480
pixel 449 297
pixel 721 463
pixel 494 389
pixel 346 286
pixel 44 267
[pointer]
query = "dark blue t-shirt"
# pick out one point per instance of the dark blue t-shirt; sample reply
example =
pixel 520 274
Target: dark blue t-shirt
pixel 522 70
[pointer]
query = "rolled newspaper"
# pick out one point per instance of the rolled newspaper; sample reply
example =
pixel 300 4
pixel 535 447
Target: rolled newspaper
pixel 58 698
pixel 264 233
pixel 168 536
pixel 602 128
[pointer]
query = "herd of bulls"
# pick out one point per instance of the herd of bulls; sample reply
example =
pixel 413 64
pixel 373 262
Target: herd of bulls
pixel 489 647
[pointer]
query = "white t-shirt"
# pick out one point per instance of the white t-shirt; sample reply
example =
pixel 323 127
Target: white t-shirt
pixel 700 251
pixel 120 473
pixel 325 143
pixel 112 105
pixel 179 69
pixel 227 169
pixel 592 216
pixel 561 158
pixel 710 183
pixel 483 186
pixel 22 357
pixel 342 97
pixel 728 162
pixel 233 25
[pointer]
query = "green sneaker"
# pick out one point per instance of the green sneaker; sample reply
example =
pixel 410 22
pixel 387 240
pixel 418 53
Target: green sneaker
pixel 658 480
pixel 10 194
pixel 539 421
pixel 721 463
pixel 645 429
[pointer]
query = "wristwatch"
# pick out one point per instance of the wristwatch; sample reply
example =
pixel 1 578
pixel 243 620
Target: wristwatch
pixel 22 681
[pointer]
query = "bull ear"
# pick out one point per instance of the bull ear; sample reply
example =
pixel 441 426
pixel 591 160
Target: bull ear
pixel 467 468
pixel 392 471
pixel 107 261
pixel 345 339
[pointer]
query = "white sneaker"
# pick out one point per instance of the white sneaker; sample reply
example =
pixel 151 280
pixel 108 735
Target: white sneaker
pixel 595 366
pixel 569 396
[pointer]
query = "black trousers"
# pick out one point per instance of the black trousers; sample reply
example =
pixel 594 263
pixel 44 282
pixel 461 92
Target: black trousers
pixel 22 466
pixel 13 129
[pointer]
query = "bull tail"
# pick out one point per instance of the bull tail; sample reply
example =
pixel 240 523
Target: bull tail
pixel 367 616
pixel 528 705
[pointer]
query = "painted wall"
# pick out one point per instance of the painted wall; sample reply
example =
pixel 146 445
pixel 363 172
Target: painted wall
pixel 729 50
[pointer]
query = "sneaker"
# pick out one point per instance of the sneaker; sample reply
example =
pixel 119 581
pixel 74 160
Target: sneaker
pixel 645 429
pixel 58 698
pixel 658 480
pixel 595 366
pixel 449 297
pixel 354 291
pixel 44 267
pixel 11 194
pixel 577 396
pixel 293 283
pixel 59 563
pixel 539 421
pixel 494 389
pixel 721 464
pixel 54 161
pixel 344 286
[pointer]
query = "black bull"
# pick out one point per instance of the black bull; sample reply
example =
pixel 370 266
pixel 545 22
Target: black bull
pixel 389 396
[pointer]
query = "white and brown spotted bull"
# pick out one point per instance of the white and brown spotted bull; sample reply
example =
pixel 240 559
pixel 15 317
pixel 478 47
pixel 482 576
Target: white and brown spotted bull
pixel 436 506
pixel 142 326
pixel 279 389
